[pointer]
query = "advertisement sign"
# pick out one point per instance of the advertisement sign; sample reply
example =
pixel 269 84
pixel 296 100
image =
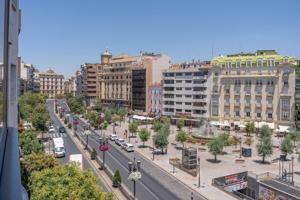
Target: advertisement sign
pixel 268 194
pixel 232 182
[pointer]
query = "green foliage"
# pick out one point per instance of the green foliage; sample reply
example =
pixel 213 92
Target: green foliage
pixel 116 180
pixel 65 121
pixel 29 143
pixel 181 136
pixel 295 136
pixel 108 115
pixel 93 154
pixel 105 125
pixel 98 106
pixel 40 117
pixel 165 129
pixel 65 182
pixel 93 118
pixel 115 118
pixel 156 125
pixel 161 140
pixel 265 131
pixel 69 125
pixel 250 128
pixel 144 135
pixel 225 138
pixel 133 127
pixel 264 147
pixel 180 123
pixel 287 146
pixel 35 162
pixel 165 120
pixel 75 104
pixel 122 113
pixel 216 146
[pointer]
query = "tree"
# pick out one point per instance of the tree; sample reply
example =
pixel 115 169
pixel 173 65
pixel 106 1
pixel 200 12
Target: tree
pixel 161 141
pixel 40 117
pixel 264 147
pixel 29 143
pixel 93 118
pixel 180 123
pixel 181 136
pixel 133 127
pixel 75 104
pixel 122 112
pixel 35 162
pixel 117 179
pixel 265 131
pixel 93 154
pixel 287 146
pixel 105 125
pixel 98 106
pixel 216 146
pixel 65 121
pixel 225 138
pixel 250 128
pixel 295 136
pixel 156 125
pixel 65 182
pixel 108 115
pixel 248 142
pixel 144 135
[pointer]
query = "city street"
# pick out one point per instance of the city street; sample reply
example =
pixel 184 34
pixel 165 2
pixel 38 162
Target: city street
pixel 155 183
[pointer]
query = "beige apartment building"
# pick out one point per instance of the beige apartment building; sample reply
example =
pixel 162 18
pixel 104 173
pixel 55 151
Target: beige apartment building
pixel 114 78
pixel 258 87
pixel 50 83
pixel 70 86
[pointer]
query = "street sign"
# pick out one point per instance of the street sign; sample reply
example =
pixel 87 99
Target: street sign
pixel 103 147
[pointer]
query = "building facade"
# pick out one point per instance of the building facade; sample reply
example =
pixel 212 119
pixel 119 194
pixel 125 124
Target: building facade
pixel 186 92
pixel 258 87
pixel 155 92
pixel 51 83
pixel 115 79
pixel 70 86
pixel 147 73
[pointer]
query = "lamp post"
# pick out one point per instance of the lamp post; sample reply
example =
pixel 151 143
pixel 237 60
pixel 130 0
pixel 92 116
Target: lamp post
pixel 134 172
pixel 241 147
pixel 199 172
pixel 292 170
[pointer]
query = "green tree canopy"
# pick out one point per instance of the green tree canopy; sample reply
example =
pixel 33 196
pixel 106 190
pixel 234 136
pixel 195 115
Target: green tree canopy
pixel 98 106
pixel 295 136
pixel 265 131
pixel 181 136
pixel 133 127
pixel 65 182
pixel 250 128
pixel 108 115
pixel 225 138
pixel 161 140
pixel 29 143
pixel 180 123
pixel 264 147
pixel 75 104
pixel 287 146
pixel 35 162
pixel 216 146
pixel 144 135
pixel 156 125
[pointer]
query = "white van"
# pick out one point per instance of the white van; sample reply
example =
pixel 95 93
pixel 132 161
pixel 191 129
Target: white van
pixel 59 148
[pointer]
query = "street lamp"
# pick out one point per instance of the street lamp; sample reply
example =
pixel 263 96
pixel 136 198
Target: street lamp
pixel 292 170
pixel 134 172
pixel 103 147
pixel 241 147
pixel 87 133
pixel 199 172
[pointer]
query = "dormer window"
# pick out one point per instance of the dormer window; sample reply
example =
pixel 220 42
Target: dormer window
pixel 238 64
pixel 259 63
pixel 228 65
pixel 248 63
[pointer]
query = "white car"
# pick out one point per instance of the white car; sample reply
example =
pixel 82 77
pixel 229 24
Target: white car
pixel 119 141
pixel 128 147
pixel 113 137
pixel 51 130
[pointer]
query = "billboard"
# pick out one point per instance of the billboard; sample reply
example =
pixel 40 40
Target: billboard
pixel 232 182
pixel 268 194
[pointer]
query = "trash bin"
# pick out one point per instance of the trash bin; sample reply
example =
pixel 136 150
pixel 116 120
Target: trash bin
pixel 246 152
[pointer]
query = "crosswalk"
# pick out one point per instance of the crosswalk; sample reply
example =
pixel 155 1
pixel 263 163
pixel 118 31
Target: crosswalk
pixel 56 135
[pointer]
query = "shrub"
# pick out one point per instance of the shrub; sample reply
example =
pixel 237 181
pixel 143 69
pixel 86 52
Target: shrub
pixel 93 154
pixel 117 179
pixel 69 125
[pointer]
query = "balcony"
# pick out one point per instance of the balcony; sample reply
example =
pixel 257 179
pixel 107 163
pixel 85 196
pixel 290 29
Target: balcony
pixel 227 103
pixel 269 105
pixel 237 104
pixel 258 105
pixel 247 104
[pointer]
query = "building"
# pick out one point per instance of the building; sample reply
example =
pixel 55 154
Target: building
pixel 89 77
pixel 146 81
pixel 70 86
pixel 115 79
pixel 26 77
pixel 186 92
pixel 50 83
pixel 258 87
pixel 78 83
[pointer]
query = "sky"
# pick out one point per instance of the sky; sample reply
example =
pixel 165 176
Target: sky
pixel 63 34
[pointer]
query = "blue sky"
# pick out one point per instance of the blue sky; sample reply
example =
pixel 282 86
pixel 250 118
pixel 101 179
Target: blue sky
pixel 62 34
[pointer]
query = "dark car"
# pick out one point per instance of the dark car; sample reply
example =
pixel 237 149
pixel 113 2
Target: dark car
pixel 62 130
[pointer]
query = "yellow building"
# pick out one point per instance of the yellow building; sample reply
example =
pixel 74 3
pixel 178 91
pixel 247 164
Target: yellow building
pixel 51 83
pixel 258 87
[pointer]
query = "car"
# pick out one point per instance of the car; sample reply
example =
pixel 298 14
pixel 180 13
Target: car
pixel 128 147
pixel 51 130
pixel 62 129
pixel 113 137
pixel 157 151
pixel 179 146
pixel 119 141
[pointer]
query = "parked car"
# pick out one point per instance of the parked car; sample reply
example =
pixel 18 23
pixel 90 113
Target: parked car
pixel 179 146
pixel 119 141
pixel 113 137
pixel 51 129
pixel 128 147
pixel 157 151
pixel 62 129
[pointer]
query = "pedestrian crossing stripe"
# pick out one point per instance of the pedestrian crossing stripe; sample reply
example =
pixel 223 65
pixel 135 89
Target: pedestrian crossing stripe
pixel 57 135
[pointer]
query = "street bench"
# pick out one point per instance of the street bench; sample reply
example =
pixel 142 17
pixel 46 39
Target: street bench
pixel 239 161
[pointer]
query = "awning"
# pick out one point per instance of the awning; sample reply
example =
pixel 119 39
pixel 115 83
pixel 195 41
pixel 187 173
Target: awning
pixel 283 129
pixel 138 117
pixel 236 123
pixel 215 123
pixel 261 124
pixel 242 126
pixel 226 124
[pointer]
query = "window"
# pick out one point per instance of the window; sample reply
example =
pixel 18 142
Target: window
pixel 178 95
pixel 237 113
pixel 248 63
pixel 271 62
pixel 188 73
pixel 228 65
pixel 258 115
pixel 188 111
pixel 285 103
pixel 285 115
pixel 178 81
pixel 178 74
pixel 238 64
pixel 178 88
pixel 259 62
pixel 188 103
pixel 178 103
pixel 188 96
pixel 247 114
pixel 270 115
pixel 188 81
pixel 188 88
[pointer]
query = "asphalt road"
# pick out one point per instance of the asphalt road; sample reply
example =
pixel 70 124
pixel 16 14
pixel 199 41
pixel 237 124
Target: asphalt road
pixel 155 184
pixel 70 147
